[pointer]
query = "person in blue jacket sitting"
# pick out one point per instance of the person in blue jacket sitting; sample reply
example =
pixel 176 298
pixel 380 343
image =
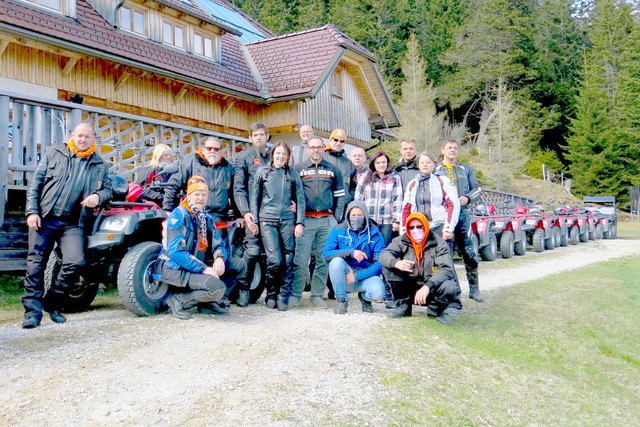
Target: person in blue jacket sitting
pixel 352 251
pixel 190 243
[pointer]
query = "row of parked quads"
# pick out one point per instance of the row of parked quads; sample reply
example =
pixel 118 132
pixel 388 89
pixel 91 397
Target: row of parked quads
pixel 124 244
pixel 523 228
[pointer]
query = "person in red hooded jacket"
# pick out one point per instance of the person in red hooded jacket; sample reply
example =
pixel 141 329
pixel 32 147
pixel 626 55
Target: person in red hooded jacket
pixel 418 267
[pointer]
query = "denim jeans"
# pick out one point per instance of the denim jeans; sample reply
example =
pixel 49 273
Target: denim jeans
pixel 373 287
pixel 316 230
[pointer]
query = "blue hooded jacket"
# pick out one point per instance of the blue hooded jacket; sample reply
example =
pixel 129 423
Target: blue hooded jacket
pixel 342 241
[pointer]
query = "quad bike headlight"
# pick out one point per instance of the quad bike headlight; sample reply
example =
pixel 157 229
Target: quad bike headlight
pixel 115 223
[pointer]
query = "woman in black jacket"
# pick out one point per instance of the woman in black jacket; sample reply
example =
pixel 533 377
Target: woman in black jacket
pixel 272 192
pixel 160 169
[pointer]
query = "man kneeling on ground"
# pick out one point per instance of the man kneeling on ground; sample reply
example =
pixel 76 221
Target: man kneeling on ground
pixel 352 251
pixel 419 269
pixel 189 240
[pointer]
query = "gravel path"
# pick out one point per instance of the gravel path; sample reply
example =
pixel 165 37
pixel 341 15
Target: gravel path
pixel 255 366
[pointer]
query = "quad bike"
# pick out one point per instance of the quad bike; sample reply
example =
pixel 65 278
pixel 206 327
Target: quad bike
pixel 512 237
pixel 540 229
pixel 117 227
pixel 483 233
pixel 604 210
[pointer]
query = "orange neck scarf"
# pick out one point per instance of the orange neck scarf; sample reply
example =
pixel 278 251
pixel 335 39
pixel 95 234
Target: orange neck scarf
pixel 418 247
pixel 82 154
pixel 202 242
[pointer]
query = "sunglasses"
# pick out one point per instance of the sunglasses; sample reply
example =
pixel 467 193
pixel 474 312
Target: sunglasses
pixel 339 140
pixel 413 227
pixel 213 148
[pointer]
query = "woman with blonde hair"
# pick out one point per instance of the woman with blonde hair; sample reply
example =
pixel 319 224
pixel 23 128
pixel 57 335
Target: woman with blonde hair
pixel 160 168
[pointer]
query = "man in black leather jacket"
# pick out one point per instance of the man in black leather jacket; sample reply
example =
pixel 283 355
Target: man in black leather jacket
pixel 469 191
pixel 335 154
pixel 246 165
pixel 407 167
pixel 69 181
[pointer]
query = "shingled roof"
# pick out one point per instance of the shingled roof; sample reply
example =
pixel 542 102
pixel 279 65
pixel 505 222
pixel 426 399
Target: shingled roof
pixel 91 34
pixel 292 64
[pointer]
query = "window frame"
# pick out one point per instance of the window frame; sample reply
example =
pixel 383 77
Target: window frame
pixel 133 11
pixel 174 25
pixel 203 44
pixel 62 10
pixel 336 86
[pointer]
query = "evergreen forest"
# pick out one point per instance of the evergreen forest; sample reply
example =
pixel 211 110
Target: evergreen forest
pixel 521 83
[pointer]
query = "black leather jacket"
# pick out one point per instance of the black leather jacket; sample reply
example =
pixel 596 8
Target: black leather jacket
pixel 323 188
pixel 407 171
pixel 273 190
pixel 219 178
pixel 246 165
pixel 345 166
pixel 50 179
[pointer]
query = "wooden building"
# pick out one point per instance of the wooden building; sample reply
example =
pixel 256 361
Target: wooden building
pixel 171 71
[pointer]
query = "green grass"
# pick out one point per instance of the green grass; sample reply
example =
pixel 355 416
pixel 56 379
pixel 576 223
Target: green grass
pixel 629 230
pixel 560 351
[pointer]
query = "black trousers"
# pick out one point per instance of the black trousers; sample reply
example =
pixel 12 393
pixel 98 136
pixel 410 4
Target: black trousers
pixel 465 247
pixel 279 245
pixel 202 288
pixel 71 241
pixel 251 256
pixel 440 296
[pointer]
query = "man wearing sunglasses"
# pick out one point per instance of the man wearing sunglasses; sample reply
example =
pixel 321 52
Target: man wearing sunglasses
pixel 335 154
pixel 209 163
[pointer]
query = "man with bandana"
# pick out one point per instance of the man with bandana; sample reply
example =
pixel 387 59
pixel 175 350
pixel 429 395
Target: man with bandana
pixel 469 191
pixel 352 250
pixel 71 179
pixel 218 173
pixel 190 242
pixel 418 267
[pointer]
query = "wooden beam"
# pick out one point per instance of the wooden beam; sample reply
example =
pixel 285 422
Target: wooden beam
pixel 71 62
pixel 3 46
pixel 181 93
pixel 225 108
pixel 122 79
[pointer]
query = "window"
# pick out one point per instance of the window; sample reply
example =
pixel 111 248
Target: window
pixel 49 4
pixel 132 20
pixel 172 34
pixel 204 46
pixel 336 83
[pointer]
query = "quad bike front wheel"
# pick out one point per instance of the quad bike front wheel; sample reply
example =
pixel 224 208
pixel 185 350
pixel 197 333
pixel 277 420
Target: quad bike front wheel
pixel 142 291
pixel 79 296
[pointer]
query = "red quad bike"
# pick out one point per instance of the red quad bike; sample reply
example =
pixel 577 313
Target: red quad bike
pixel 121 231
pixel 604 211
pixel 583 225
pixel 540 230
pixel 513 237
pixel 483 233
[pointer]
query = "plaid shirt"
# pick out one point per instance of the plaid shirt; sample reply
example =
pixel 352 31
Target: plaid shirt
pixel 382 197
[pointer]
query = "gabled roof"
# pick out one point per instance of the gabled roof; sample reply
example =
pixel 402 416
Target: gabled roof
pixel 293 64
pixel 89 33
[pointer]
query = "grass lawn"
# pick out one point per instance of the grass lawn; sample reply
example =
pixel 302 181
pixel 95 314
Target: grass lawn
pixel 560 351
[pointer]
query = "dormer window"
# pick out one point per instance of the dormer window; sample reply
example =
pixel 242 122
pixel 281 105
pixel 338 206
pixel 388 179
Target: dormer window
pixel 49 4
pixel 133 20
pixel 172 34
pixel 205 46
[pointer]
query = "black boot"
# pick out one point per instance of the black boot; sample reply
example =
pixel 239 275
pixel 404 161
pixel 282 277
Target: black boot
pixel 30 322
pixel 402 310
pixel 343 306
pixel 175 305
pixel 57 317
pixel 474 293
pixel 366 305
pixel 243 299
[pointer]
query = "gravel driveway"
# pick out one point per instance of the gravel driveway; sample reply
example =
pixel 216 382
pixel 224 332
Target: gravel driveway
pixel 254 367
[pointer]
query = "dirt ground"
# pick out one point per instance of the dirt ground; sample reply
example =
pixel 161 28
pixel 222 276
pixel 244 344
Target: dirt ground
pixel 255 366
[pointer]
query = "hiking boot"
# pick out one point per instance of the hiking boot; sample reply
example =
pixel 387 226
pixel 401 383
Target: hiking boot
pixel 366 305
pixel 343 306
pixel 30 322
pixel 444 320
pixel 451 311
pixel 175 305
pixel 57 317
pixel 270 303
pixel 474 293
pixel 318 302
pixel 283 304
pixel 391 304
pixel 402 310
pixel 215 307
pixel 243 299
pixel 294 301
